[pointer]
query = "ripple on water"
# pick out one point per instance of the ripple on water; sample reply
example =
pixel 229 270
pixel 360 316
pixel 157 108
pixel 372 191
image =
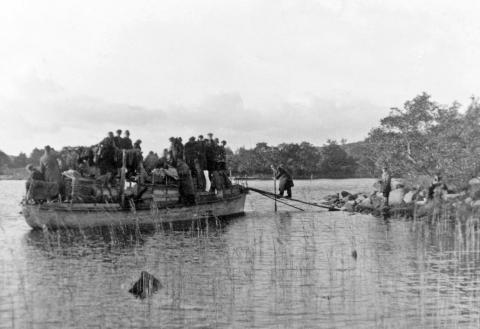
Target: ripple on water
pixel 285 269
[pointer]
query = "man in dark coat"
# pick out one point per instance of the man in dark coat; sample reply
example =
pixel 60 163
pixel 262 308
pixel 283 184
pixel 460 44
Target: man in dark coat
pixel 201 163
pixel 50 169
pixel 118 138
pixel 190 155
pixel 285 181
pixel 201 151
pixel 126 141
pixel 106 160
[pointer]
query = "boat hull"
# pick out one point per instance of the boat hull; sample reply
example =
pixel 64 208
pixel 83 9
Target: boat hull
pixel 68 216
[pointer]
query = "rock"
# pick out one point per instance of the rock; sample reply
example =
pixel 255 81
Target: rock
pixel 349 206
pixel 367 203
pixel 474 181
pixel 397 183
pixel 377 186
pixel 360 198
pixel 395 197
pixel 145 286
pixel 343 194
pixel 377 200
pixel 410 197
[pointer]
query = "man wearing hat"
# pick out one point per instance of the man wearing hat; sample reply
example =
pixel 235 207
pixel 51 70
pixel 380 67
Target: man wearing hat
pixel 136 145
pixel 285 181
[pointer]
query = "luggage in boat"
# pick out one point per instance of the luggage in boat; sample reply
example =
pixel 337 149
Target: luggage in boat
pixel 84 190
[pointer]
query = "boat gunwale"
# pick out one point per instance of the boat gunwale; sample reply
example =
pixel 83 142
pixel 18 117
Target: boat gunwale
pixel 116 207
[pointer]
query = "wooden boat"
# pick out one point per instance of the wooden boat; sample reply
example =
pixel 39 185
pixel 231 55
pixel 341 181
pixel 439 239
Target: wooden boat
pixel 55 215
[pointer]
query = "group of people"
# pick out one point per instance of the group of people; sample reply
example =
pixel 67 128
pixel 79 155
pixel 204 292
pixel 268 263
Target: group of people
pixel 201 164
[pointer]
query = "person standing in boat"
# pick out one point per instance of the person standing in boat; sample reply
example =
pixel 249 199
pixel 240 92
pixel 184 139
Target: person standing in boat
pixel 386 184
pixel 285 181
pixel 50 169
pixel 201 153
pixel 223 164
pixel 106 159
pixel 33 174
pixel 126 142
pixel 118 138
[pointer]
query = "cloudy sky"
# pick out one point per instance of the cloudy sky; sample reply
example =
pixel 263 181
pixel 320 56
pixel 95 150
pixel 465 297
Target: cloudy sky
pixel 248 71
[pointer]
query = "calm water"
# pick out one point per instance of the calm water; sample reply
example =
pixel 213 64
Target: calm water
pixel 289 269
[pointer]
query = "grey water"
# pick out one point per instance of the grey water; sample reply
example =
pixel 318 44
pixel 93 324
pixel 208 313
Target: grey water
pixel 289 269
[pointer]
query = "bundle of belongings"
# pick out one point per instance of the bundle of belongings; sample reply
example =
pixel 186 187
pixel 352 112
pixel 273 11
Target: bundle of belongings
pixel 85 190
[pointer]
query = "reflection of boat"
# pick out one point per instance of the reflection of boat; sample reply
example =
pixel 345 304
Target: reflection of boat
pixel 82 215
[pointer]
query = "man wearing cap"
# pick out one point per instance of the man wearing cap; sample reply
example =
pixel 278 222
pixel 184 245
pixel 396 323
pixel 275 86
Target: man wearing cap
pixel 118 138
pixel 126 141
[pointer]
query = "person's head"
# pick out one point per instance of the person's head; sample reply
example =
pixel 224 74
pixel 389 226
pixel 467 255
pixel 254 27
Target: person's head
pixel 200 137
pixel 216 140
pixel 138 142
pixel 47 148
pixel 210 136
pixel 172 139
pixel 126 133
pixel 192 139
pixel 110 134
pixel 224 142
pixel 119 132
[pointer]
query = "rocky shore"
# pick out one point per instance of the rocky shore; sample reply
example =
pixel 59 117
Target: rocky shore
pixel 412 202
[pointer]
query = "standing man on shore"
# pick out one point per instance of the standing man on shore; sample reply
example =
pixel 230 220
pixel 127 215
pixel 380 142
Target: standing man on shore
pixel 386 184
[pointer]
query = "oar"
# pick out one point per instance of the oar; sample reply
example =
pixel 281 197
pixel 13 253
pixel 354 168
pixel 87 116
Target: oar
pixel 331 208
pixel 268 196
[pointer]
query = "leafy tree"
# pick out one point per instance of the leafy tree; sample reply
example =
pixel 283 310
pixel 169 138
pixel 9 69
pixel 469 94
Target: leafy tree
pixel 424 137
pixel 35 156
pixel 20 160
pixel 336 162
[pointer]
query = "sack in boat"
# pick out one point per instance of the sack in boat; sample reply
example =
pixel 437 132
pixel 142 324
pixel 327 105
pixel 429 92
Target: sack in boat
pixel 41 190
pixel 395 197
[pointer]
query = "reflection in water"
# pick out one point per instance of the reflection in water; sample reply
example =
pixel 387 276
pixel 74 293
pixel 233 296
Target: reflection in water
pixel 284 269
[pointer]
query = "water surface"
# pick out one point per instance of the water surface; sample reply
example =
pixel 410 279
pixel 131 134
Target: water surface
pixel 289 269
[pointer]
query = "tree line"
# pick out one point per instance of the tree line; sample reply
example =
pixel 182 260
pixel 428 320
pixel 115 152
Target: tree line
pixel 422 138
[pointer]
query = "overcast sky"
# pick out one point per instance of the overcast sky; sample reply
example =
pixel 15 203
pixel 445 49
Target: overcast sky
pixel 248 71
